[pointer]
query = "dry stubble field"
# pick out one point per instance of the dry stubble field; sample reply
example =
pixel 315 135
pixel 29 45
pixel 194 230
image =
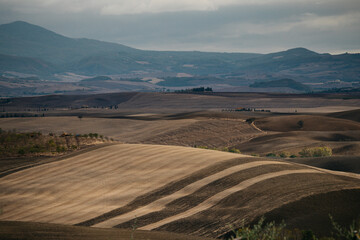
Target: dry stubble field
pixel 183 189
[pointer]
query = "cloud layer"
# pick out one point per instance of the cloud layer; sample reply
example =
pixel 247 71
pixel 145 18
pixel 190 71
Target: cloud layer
pixel 207 25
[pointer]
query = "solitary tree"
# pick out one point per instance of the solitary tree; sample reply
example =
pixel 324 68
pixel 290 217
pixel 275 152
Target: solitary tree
pixel 300 123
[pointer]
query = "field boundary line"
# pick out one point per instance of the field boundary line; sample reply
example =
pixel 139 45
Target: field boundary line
pixel 54 159
pixel 161 203
pixel 212 201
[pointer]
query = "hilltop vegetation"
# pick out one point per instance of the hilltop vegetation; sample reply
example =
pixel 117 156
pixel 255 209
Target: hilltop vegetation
pixel 15 144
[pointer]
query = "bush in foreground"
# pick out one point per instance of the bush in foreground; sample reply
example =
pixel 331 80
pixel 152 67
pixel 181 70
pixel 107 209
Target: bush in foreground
pixel 272 231
pixel 268 231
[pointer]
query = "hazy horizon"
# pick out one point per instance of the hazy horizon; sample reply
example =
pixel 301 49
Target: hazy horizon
pixel 261 26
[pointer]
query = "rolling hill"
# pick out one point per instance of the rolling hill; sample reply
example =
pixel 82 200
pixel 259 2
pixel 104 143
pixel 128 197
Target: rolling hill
pixel 33 49
pixel 28 40
pixel 25 65
pixel 167 188
pixel 282 83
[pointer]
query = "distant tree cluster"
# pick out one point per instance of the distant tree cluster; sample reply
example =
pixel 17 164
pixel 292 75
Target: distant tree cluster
pixel 306 152
pixel 19 115
pixel 225 149
pixel 316 152
pixel 199 89
pixel 13 144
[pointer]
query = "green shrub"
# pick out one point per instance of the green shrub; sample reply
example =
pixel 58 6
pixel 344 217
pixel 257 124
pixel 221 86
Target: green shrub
pixel 308 235
pixel 268 231
pixel 271 231
pixel 21 151
pixel 234 150
pixel 341 233
pixel 51 144
pixel 250 120
pixel 300 123
pixel 316 152
pixel 271 155
pixel 203 147
pixel 60 149
pixel 284 154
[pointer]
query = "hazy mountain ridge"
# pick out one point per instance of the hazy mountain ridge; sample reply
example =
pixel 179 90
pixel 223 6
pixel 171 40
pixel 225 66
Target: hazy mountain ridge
pixel 288 83
pixel 30 49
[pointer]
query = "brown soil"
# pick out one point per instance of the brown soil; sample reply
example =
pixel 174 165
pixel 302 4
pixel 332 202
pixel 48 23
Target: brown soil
pixel 124 130
pixel 211 133
pixel 353 115
pixel 310 123
pixel 12 165
pixel 252 203
pixel 179 102
pixel 48 231
pixel 309 211
pixel 87 185
pixel 167 188
pixel 178 189
pixel 342 143
pixel 336 163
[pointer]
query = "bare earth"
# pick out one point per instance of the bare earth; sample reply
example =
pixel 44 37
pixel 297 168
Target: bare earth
pixel 154 177
pixel 182 184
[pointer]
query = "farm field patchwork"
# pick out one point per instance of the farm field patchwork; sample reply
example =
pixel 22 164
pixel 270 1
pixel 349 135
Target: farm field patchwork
pixel 165 188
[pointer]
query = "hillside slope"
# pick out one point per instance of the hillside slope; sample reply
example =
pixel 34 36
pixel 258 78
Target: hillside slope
pixel 28 40
pixel 167 188
pixel 224 70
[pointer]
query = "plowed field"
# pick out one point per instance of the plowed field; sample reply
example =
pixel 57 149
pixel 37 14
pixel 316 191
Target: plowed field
pixel 167 188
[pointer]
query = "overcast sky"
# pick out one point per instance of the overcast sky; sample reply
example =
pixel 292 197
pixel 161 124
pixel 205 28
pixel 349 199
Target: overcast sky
pixel 260 26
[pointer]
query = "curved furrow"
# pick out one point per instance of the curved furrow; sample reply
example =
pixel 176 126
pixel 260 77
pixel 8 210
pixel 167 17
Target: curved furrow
pixel 210 202
pixel 270 194
pixel 76 189
pixel 187 202
pixel 82 193
pixel 167 189
pixel 59 214
pixel 36 172
pixel 50 174
pixel 44 187
pixel 161 203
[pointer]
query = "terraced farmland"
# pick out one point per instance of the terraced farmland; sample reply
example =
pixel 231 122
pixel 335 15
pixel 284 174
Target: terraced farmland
pixel 167 188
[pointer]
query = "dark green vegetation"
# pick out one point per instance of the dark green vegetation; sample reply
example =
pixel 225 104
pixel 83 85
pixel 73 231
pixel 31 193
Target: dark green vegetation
pixel 283 83
pixel 316 209
pixel 305 152
pixel 28 49
pixel 225 149
pixel 272 231
pixel 14 144
pixel 316 152
pixel 195 90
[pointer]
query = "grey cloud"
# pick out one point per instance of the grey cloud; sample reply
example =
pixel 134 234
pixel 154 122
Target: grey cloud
pixel 329 26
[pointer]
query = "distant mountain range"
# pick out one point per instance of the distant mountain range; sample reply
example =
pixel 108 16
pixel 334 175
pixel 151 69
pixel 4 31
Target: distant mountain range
pixel 29 50
pixel 282 83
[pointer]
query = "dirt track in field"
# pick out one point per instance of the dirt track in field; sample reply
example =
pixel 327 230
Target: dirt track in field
pixel 84 186
pixel 165 188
